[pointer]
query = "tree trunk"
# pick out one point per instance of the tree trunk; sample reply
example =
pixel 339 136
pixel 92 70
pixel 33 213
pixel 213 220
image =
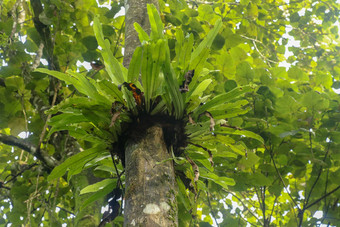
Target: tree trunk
pixel 150 195
pixel 135 11
pixel 150 198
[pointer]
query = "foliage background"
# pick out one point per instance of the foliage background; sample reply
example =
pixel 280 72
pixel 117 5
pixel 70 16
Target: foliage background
pixel 293 107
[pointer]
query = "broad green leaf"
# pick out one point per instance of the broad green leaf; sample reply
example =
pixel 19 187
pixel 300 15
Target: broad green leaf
pixel 98 186
pixel 79 81
pixel 143 36
pixel 314 101
pixel 72 102
pixel 116 70
pixel 206 43
pixel 76 161
pixel 249 160
pixel 99 194
pixel 258 179
pixel 228 130
pixel 172 85
pixel 183 49
pixel 296 73
pixel 220 99
pixel 111 91
pixel 183 194
pixel 222 181
pixel 198 62
pixel 135 65
pixel 15 82
pixel 201 87
pixel 156 23
pixel 244 73
pixel 153 58
pixel 59 122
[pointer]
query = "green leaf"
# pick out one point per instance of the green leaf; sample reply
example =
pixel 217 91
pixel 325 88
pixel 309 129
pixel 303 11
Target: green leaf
pixel 183 49
pixel 228 130
pixel 222 181
pixel 199 89
pixel 99 194
pixel 80 82
pixel 135 65
pixel 220 99
pixel 314 101
pixel 258 179
pixel 172 86
pixel 244 73
pixel 15 82
pixel 156 23
pixel 90 42
pixel 98 186
pixel 75 162
pixel 296 73
pixel 153 58
pixel 249 160
pixel 182 194
pixel 206 43
pixel 143 36
pixel 116 70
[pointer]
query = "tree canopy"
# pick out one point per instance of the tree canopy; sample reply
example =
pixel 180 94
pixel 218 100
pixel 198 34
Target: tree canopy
pixel 246 91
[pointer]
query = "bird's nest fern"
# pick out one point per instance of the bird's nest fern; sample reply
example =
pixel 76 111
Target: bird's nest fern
pixel 154 90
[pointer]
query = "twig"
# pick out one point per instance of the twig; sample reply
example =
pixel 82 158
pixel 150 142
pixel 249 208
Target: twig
pixel 42 135
pixel 322 197
pixel 271 213
pixel 244 206
pixel 19 173
pixel 320 171
pixel 194 167
pixel 119 183
pixel 212 212
pixel 284 184
pixel 207 150
pixel 67 211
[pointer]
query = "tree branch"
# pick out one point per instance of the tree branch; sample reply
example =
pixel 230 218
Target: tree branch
pixel 321 198
pixel 49 161
pixel 244 205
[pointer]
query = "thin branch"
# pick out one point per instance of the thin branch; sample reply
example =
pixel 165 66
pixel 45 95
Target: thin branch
pixel 322 197
pixel 49 161
pixel 19 173
pixel 271 213
pixel 67 211
pixel 194 168
pixel 212 212
pixel 246 221
pixel 42 135
pixel 284 184
pixel 244 206
pixel 257 49
pixel 207 150
pixel 320 171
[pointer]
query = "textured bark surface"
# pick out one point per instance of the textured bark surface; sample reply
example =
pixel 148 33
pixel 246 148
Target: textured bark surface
pixel 135 11
pixel 150 195
pixel 150 198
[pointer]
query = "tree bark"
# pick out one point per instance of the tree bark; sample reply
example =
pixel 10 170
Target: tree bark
pixel 150 197
pixel 135 11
